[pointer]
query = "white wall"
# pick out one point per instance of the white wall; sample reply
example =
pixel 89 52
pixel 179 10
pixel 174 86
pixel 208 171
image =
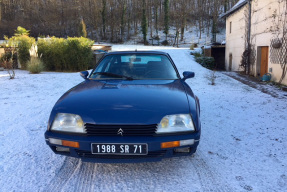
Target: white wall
pixel 235 41
pixel 263 29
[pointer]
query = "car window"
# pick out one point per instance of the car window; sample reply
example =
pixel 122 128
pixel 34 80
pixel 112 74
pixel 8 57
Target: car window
pixel 136 66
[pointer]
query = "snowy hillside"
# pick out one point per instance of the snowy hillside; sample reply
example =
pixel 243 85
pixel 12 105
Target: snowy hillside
pixel 191 36
pixel 242 148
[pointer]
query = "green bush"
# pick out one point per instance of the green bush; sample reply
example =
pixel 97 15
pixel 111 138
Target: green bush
pixel 207 62
pixel 24 45
pixel 52 51
pixel 197 54
pixel 79 53
pixel 72 54
pixel 35 65
pixel 21 31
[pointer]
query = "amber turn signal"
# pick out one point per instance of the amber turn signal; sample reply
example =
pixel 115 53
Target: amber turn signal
pixel 170 144
pixel 70 144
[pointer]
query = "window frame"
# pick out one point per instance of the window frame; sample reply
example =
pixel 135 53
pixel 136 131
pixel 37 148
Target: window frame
pixel 137 53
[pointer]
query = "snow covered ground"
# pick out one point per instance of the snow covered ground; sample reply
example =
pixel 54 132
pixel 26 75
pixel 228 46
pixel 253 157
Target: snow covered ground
pixel 191 36
pixel 265 87
pixel 243 144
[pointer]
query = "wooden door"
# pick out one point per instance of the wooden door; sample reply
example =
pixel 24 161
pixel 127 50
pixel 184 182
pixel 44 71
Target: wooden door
pixel 264 61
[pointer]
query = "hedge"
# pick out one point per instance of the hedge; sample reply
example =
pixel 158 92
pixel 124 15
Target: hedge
pixel 24 45
pixel 207 62
pixel 72 54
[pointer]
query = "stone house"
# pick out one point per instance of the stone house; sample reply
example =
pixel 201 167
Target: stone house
pixel 256 31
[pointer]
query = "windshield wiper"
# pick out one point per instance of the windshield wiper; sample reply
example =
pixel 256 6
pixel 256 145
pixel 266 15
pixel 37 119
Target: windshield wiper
pixel 113 75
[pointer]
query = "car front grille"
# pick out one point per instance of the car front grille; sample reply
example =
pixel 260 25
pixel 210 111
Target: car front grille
pixel 120 130
pixel 151 154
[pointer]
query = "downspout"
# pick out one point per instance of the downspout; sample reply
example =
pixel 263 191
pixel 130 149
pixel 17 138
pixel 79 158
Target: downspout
pixel 249 38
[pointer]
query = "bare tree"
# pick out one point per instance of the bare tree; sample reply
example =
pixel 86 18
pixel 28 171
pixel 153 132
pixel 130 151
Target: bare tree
pixel 108 19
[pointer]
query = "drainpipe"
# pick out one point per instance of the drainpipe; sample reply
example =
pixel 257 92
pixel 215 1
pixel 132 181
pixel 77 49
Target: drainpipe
pixel 249 37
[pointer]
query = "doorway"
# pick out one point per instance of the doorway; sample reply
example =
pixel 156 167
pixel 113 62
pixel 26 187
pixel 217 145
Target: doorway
pixel 264 61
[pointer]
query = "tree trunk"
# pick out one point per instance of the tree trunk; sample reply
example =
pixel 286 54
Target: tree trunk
pixel 182 28
pixel 123 20
pixel 63 31
pixel 166 18
pixel 104 18
pixel 156 18
pixel 144 21
pixel 150 17
pixel 129 24
pixel 199 26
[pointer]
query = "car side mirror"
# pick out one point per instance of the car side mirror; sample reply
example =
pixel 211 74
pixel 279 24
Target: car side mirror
pixel 187 75
pixel 84 74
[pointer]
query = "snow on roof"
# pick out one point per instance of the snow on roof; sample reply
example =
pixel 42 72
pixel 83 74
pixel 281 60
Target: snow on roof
pixel 238 3
pixel 237 6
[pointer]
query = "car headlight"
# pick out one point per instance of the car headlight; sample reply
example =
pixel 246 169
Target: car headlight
pixel 175 123
pixel 66 122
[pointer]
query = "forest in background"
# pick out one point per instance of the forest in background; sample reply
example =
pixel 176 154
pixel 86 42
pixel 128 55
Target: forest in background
pixel 111 20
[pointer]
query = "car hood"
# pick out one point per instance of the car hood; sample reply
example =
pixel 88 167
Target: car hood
pixel 123 101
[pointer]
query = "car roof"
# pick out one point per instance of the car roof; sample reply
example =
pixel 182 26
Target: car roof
pixel 137 52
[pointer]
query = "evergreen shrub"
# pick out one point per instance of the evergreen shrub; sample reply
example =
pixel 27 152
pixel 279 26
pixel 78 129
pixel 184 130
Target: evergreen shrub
pixel 207 62
pixel 72 54
pixel 197 54
pixel 23 44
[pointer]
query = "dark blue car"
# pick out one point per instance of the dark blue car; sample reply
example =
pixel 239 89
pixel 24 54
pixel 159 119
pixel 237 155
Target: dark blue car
pixel 133 107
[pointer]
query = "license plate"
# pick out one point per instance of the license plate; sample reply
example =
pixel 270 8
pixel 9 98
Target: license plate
pixel 119 149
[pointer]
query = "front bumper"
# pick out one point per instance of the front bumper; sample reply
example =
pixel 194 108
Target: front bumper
pixel 155 152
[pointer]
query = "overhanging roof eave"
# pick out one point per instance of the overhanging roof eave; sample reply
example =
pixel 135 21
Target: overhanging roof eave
pixel 233 9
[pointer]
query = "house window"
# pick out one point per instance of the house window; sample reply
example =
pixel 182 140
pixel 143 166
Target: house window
pixel 230 26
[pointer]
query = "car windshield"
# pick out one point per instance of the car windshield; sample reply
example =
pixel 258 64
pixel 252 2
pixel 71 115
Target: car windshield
pixel 135 66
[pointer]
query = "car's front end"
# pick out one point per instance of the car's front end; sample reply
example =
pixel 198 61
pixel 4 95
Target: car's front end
pixel 123 120
pixel 157 147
